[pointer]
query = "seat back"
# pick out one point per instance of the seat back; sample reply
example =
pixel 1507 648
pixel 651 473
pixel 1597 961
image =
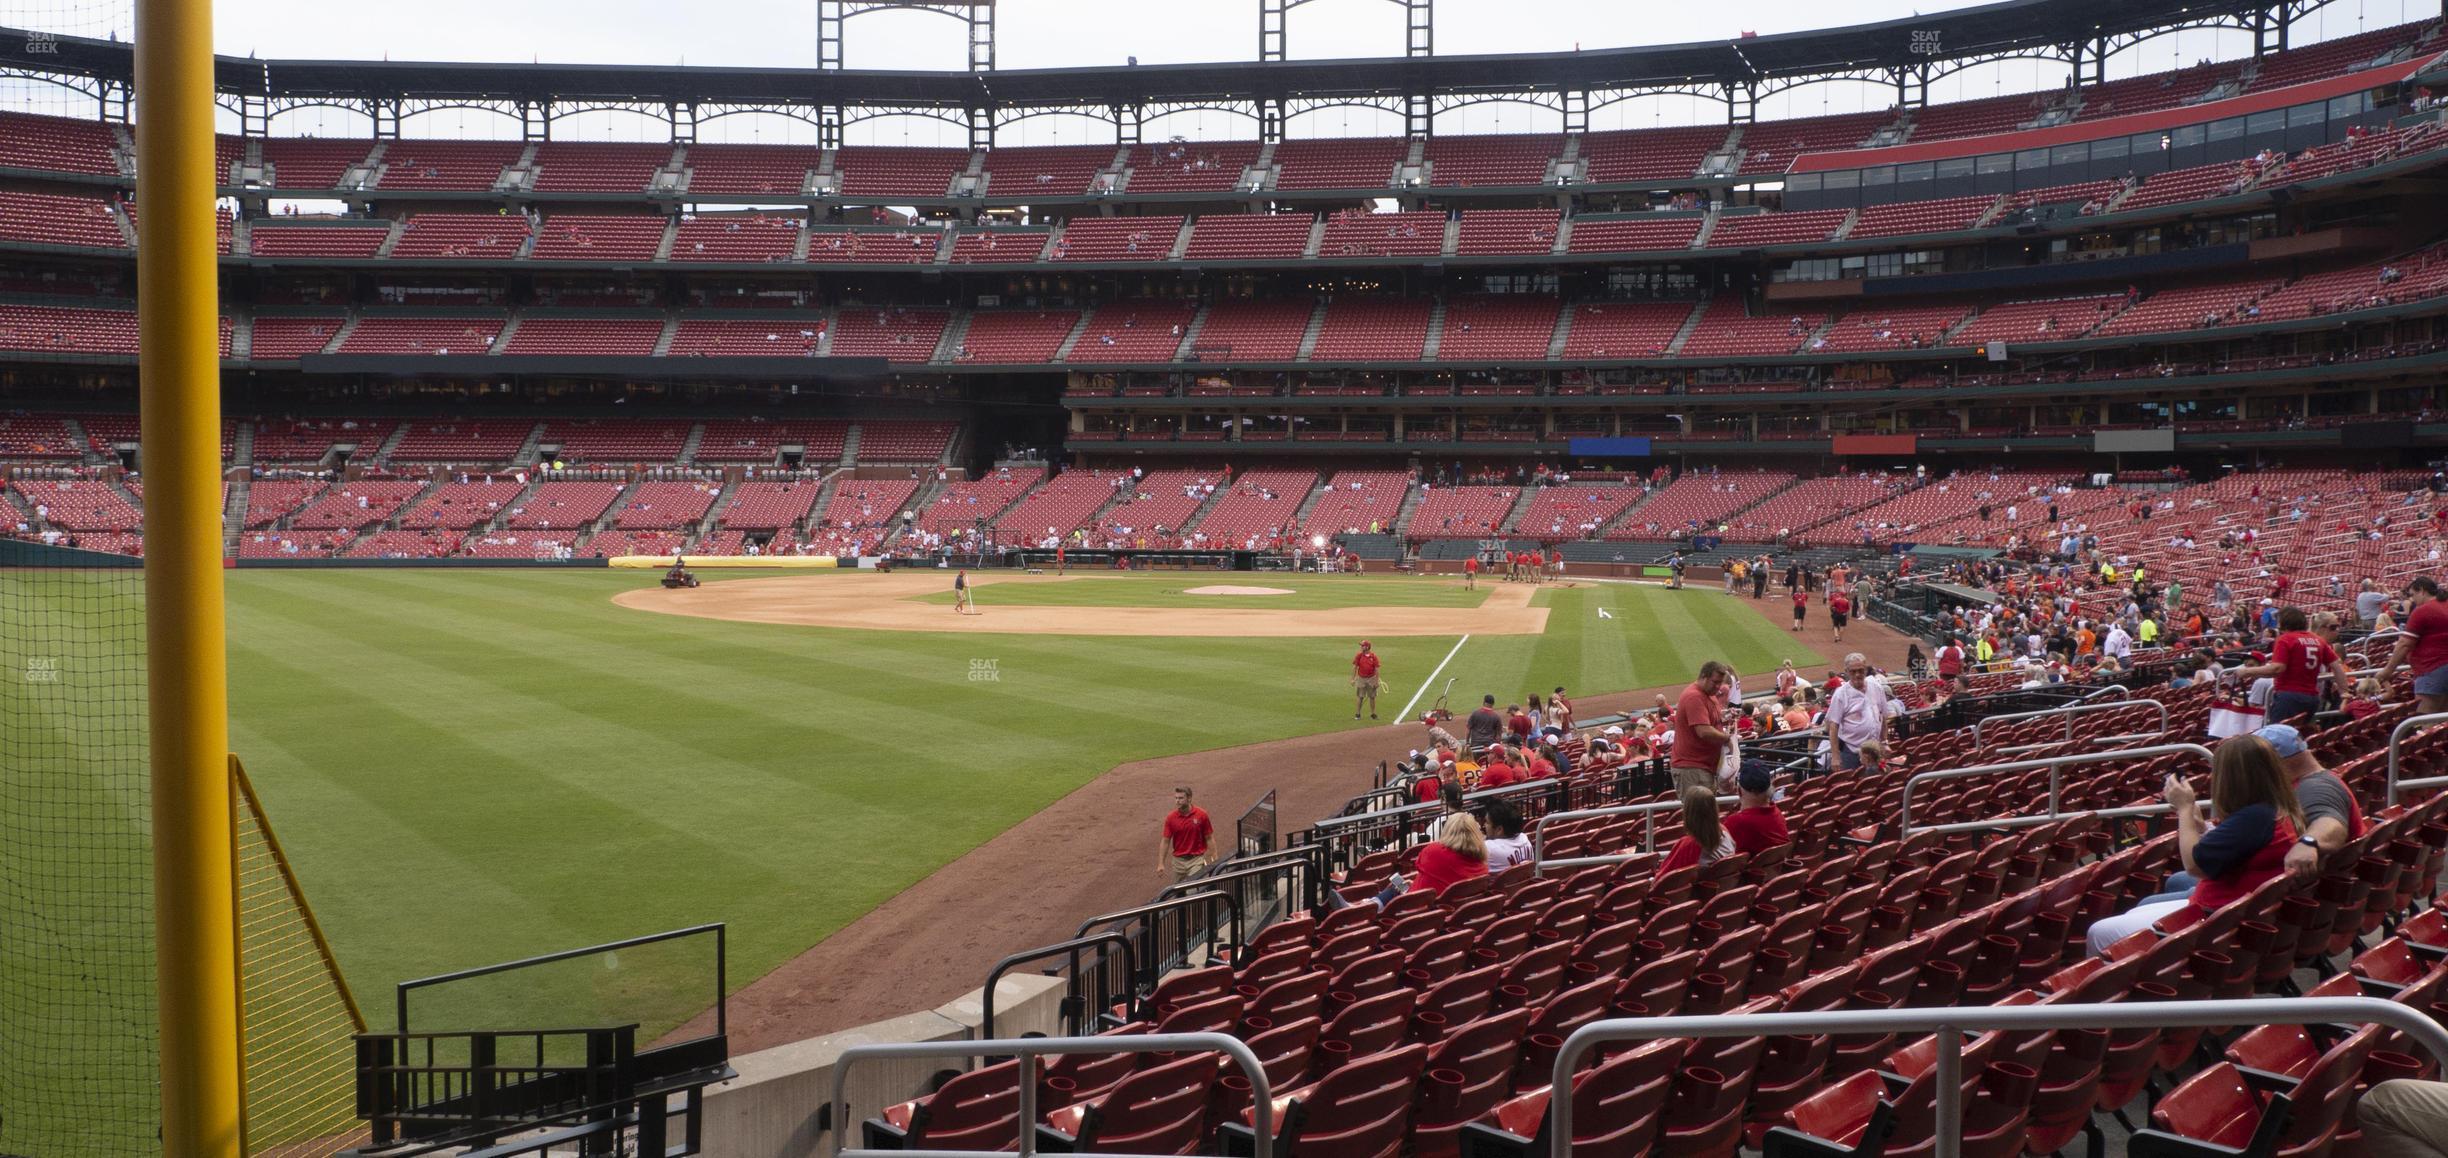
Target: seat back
pixel 1221 1015
pixel 1074 1076
pixel 1155 1111
pixel 1361 1110
pixel 1368 1026
pixel 2321 1098
pixel 1470 1070
pixel 979 1110
pixel 1184 987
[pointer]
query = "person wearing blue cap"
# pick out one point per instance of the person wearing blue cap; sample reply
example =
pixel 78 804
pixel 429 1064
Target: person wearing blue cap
pixel 1758 825
pixel 2331 815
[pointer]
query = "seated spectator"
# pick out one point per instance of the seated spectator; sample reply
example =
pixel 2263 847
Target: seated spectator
pixel 2370 696
pixel 2258 820
pixel 2404 1118
pixel 1704 839
pixel 1507 847
pixel 1757 826
pixel 1459 853
pixel 1500 769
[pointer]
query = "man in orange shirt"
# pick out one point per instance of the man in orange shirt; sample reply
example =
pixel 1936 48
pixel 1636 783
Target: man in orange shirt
pixel 1364 681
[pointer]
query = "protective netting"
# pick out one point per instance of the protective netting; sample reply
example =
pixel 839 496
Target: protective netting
pixel 38 21
pixel 299 1016
pixel 77 1062
pixel 78 1066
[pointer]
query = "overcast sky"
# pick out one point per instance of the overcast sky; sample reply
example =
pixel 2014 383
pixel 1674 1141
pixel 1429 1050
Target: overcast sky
pixel 1072 33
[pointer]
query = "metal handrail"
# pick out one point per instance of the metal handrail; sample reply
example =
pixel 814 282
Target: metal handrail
pixel 1649 811
pixel 2068 712
pixel 1995 823
pixel 1950 1025
pixel 1147 928
pixel 1074 949
pixel 1027 1050
pixel 2055 764
pixel 2397 738
pixel 2096 693
pixel 721 965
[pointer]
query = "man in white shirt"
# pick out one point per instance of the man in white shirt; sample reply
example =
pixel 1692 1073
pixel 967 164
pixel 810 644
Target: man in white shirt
pixel 2118 643
pixel 1858 712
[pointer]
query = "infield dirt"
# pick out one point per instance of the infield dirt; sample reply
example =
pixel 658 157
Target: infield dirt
pixel 882 603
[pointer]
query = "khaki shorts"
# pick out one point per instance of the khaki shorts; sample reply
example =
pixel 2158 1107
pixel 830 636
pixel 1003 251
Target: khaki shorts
pixel 1366 687
pixel 1686 776
pixel 1185 867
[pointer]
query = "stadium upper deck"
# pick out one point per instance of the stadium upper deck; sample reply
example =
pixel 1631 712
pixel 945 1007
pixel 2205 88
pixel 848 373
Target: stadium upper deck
pixel 392 164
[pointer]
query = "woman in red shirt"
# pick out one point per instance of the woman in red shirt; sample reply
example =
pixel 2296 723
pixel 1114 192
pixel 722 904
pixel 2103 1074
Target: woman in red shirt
pixel 2258 820
pixel 1459 853
pixel 1704 839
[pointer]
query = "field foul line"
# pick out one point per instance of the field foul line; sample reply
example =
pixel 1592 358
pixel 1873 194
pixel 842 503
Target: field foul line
pixel 1405 714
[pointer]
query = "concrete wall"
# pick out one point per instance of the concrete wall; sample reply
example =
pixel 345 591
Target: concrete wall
pixel 771 1109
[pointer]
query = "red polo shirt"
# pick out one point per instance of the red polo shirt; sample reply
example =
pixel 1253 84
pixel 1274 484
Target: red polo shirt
pixel 1188 833
pixel 1364 665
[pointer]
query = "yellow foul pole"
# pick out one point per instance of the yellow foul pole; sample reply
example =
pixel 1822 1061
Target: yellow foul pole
pixel 180 369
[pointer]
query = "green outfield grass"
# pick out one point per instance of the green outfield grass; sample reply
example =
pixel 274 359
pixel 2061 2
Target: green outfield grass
pixel 1308 592
pixel 468 767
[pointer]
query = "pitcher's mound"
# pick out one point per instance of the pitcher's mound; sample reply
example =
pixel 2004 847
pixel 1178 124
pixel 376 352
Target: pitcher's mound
pixel 1229 589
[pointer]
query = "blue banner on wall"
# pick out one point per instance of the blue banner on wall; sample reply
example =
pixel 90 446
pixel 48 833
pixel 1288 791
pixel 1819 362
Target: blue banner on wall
pixel 1610 448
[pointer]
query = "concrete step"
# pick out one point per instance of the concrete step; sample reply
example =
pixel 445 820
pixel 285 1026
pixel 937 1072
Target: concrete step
pixel 1309 337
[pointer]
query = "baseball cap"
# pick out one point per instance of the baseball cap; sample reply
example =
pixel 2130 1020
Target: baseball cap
pixel 1756 776
pixel 2284 739
pixel 1364 643
pixel 1612 730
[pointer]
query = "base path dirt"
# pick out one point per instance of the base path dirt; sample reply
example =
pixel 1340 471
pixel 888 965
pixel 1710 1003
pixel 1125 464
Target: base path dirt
pixel 883 603
pixel 1094 851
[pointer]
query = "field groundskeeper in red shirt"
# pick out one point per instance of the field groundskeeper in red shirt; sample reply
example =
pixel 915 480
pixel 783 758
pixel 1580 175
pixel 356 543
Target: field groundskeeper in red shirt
pixel 1186 834
pixel 1364 681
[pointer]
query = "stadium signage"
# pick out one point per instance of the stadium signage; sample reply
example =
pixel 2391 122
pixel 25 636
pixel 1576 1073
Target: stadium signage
pixel 41 44
pixel 1925 42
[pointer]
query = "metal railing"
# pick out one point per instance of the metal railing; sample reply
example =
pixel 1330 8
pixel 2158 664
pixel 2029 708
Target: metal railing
pixel 1292 876
pixel 2068 712
pixel 1950 1025
pixel 2397 740
pixel 1078 999
pixel 1028 1050
pixel 1648 812
pixel 2120 689
pixel 1146 926
pixel 2056 766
